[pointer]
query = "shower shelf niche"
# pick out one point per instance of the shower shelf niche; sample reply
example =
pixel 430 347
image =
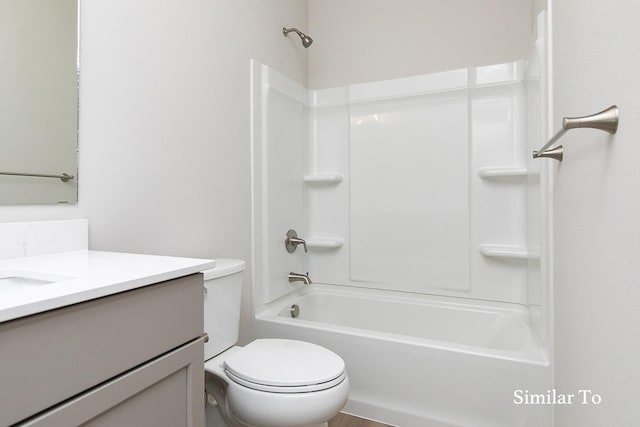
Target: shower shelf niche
pixel 509 251
pixel 325 242
pixel 323 178
pixel 505 173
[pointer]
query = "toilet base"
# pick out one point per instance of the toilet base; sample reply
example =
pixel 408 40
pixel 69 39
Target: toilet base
pixel 213 418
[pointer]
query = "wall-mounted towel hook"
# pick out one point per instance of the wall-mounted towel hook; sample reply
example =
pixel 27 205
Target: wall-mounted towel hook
pixel 606 120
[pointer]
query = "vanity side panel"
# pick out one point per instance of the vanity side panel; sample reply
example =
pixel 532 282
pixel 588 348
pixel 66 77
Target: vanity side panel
pixel 52 356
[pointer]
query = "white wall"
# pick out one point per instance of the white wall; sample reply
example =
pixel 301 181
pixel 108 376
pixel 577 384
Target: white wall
pixel 280 130
pixel 165 119
pixel 370 40
pixel 164 122
pixel 597 227
pixel 394 142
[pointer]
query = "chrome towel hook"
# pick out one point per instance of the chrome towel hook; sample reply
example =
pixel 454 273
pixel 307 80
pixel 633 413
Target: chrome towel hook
pixel 606 120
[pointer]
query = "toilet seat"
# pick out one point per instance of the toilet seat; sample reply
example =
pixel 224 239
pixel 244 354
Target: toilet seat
pixel 294 389
pixel 285 366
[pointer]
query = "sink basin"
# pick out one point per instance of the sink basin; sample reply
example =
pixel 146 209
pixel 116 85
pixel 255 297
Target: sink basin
pixel 17 279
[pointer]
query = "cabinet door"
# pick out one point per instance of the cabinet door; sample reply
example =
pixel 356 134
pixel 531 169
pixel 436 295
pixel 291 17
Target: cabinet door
pixel 167 391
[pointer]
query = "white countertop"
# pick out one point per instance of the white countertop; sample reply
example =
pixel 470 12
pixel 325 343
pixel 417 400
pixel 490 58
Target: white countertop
pixel 84 275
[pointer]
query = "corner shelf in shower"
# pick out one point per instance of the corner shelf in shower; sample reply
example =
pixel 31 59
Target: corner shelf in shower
pixel 325 242
pixel 502 173
pixel 323 178
pixel 509 251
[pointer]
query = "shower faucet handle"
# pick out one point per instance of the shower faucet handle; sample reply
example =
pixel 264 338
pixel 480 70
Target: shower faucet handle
pixel 291 241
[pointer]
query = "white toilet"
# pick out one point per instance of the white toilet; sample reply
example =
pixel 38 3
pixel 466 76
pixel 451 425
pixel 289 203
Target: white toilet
pixel 269 382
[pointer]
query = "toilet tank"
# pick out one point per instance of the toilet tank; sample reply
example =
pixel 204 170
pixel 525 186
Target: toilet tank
pixel 223 290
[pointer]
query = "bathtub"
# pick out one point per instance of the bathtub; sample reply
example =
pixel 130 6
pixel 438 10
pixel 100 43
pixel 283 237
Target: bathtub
pixel 418 360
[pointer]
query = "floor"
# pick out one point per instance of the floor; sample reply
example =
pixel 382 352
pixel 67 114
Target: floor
pixel 344 420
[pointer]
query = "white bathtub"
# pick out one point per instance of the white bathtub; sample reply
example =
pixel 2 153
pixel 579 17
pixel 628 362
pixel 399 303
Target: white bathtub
pixel 421 360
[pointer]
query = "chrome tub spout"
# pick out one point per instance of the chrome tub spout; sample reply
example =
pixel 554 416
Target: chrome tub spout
pixel 297 277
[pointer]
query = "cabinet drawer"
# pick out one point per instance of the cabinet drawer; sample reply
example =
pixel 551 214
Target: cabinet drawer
pixel 168 391
pixel 52 356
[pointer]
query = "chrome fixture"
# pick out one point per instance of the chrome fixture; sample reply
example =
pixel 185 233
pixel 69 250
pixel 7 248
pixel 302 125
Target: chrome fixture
pixel 306 40
pixel 291 241
pixel 555 153
pixel 294 311
pixel 606 120
pixel 63 177
pixel 297 277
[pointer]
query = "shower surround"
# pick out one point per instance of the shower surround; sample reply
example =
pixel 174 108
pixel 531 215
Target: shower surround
pixel 426 220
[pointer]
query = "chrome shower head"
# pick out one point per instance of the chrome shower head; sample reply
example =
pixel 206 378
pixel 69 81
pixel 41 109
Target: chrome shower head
pixel 306 40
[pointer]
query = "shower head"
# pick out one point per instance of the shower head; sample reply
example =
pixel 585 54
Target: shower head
pixel 306 40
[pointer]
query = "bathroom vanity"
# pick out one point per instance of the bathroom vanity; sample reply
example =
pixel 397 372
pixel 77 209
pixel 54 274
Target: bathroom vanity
pixel 101 339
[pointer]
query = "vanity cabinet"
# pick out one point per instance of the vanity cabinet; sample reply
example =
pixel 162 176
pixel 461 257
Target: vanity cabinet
pixel 132 358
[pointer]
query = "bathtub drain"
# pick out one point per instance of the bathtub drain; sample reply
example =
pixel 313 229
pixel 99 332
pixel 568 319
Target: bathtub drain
pixel 294 311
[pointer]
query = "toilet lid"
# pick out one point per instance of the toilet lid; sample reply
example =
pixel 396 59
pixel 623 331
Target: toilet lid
pixel 274 364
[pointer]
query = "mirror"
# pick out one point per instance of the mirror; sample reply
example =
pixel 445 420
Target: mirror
pixel 38 101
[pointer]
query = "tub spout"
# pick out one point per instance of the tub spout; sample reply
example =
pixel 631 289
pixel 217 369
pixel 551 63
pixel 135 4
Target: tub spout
pixel 297 277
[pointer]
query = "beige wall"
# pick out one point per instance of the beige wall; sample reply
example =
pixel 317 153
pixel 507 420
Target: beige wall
pixel 597 227
pixel 369 40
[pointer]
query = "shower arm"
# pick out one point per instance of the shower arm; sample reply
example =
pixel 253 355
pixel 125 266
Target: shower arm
pixel 606 120
pixel 286 31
